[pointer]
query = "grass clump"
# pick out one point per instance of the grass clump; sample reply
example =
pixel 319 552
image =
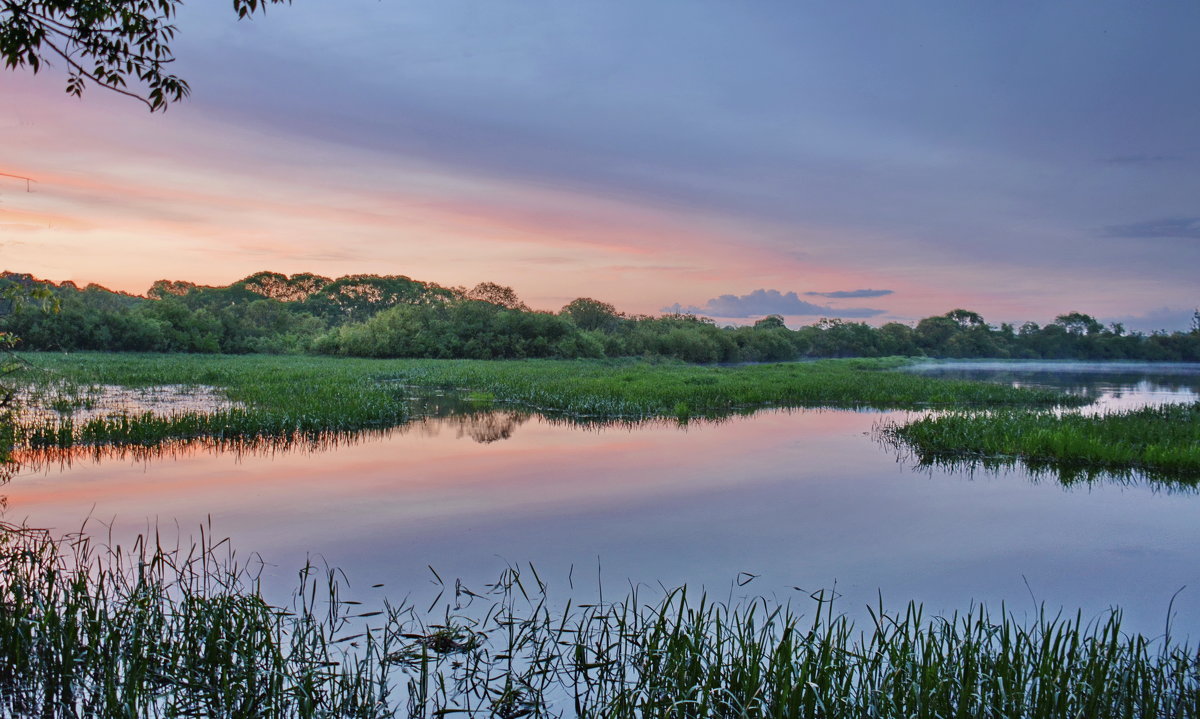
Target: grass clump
pixel 1158 442
pixel 87 631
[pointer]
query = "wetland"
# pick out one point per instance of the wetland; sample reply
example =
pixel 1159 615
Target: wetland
pixel 769 486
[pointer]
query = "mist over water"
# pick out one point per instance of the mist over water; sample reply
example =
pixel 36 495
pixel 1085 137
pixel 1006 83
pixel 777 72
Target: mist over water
pixel 1113 386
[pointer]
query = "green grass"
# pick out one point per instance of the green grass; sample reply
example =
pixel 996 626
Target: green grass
pixel 1158 442
pixel 303 398
pixel 310 399
pixel 280 399
pixel 592 389
pixel 87 631
pixel 151 632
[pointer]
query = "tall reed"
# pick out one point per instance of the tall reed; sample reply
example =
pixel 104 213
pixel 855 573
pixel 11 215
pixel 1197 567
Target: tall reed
pixel 147 631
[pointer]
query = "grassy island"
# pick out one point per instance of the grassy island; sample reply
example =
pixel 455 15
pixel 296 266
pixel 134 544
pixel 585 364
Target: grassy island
pixel 1162 442
pixel 285 396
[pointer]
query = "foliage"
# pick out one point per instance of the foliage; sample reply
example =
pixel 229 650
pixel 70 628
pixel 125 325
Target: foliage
pixel 495 294
pixel 121 45
pixel 592 315
pixel 473 329
pixel 396 316
pixel 1078 323
pixel 276 286
pixel 355 298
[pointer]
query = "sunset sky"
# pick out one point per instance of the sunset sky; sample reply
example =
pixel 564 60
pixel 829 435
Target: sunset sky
pixel 869 160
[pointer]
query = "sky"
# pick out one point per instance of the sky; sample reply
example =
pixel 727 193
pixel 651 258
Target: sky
pixel 876 161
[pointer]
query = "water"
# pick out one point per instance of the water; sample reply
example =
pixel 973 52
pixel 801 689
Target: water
pixel 792 501
pixel 1115 386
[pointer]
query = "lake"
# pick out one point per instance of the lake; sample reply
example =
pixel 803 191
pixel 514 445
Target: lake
pixel 778 503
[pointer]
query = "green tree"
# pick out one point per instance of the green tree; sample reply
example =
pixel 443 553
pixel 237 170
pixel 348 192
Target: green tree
pixel 897 339
pixel 765 342
pixel 497 295
pixel 1077 323
pixel 356 297
pixel 958 333
pixel 966 318
pixel 121 45
pixel 163 289
pixel 934 333
pixel 276 286
pixel 839 338
pixel 770 322
pixel 589 314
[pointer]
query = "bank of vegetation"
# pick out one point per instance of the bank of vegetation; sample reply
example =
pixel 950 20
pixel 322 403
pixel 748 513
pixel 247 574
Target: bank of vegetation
pixel 587 362
pixel 153 632
pixel 1159 442
pixel 395 316
pixel 304 398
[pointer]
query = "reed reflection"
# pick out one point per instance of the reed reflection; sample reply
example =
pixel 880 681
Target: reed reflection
pixel 1039 471
pixel 436 417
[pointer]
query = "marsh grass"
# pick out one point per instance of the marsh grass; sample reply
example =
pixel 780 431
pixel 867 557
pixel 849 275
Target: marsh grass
pixel 302 398
pixel 631 389
pixel 95 631
pixel 143 631
pixel 1160 443
pixel 460 418
pixel 300 402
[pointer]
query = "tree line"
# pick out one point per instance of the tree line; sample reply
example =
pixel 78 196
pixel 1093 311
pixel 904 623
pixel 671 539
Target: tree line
pixel 396 316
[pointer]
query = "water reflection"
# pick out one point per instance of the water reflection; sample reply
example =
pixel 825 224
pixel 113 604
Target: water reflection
pixel 483 426
pixel 799 498
pixel 439 413
pixel 53 401
pixel 1112 386
pixel 431 414
pixel 1038 471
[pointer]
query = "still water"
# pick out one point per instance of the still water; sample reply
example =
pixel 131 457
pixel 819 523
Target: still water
pixel 780 503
